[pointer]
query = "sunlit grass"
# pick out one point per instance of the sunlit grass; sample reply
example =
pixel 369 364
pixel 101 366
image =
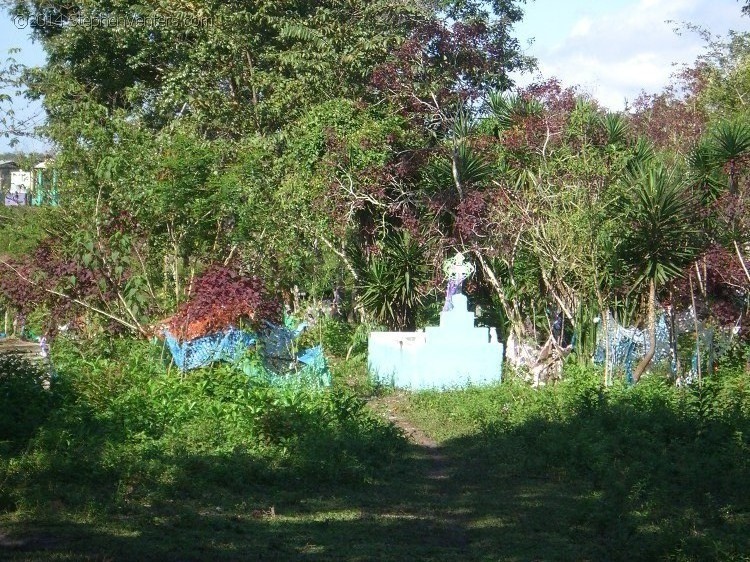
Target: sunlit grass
pixel 123 470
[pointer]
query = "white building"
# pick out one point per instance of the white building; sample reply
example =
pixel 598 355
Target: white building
pixel 20 182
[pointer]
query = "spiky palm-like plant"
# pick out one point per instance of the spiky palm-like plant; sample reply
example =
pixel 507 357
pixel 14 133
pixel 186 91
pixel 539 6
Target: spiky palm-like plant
pixel 390 286
pixel 731 141
pixel 661 236
pixel 641 155
pixel 616 128
pixel 704 173
pixel 464 166
pixel 507 109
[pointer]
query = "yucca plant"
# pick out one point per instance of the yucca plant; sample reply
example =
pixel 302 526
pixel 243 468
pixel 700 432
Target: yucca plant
pixel 391 283
pixel 616 128
pixel 641 155
pixel 704 173
pixel 507 109
pixel 464 168
pixel 471 167
pixel 500 108
pixel 661 237
pixel 731 141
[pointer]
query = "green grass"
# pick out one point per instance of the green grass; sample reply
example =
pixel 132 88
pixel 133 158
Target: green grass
pixel 578 472
pixel 125 459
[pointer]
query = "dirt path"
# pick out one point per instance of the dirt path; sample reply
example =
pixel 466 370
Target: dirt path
pixel 390 407
pixel 440 478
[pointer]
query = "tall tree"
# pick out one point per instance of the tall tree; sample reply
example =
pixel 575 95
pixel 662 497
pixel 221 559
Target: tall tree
pixel 661 236
pixel 233 67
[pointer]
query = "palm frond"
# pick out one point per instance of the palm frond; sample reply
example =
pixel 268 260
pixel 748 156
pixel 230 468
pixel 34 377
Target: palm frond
pixel 642 154
pixel 731 139
pixel 662 234
pixel 616 128
pixel 472 167
pixel 704 172
pixel 500 108
pixel 507 109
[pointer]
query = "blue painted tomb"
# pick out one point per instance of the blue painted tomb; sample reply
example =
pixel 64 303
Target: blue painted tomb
pixel 454 354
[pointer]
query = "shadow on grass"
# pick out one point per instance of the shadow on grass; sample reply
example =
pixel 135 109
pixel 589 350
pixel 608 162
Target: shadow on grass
pixel 616 481
pixel 613 482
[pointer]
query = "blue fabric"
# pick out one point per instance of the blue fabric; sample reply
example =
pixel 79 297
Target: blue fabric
pixel 229 345
pixel 314 371
pixel 627 346
pixel 312 356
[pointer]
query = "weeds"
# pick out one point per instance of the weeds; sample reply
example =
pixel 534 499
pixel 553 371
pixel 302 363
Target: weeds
pixel 649 471
pixel 130 424
pixel 126 459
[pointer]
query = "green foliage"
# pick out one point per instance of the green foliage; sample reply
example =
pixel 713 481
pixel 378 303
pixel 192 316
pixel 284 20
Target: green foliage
pixel 22 228
pixel 662 229
pixel 731 141
pixel 235 69
pixel 24 403
pixel 119 419
pixel 616 128
pixel 305 194
pixel 723 71
pixel 652 470
pixel 392 283
pixel 704 171
pixel 507 109
pixel 337 337
pixel 129 452
pixel 642 155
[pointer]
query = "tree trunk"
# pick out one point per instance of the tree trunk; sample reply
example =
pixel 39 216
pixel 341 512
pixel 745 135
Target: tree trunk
pixel 697 332
pixel 651 335
pixel 607 367
pixel 510 308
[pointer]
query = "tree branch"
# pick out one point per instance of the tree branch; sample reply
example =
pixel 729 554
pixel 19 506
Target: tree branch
pixel 136 328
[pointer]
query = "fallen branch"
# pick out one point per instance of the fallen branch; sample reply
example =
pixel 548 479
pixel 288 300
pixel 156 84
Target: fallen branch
pixel 134 327
pixel 742 260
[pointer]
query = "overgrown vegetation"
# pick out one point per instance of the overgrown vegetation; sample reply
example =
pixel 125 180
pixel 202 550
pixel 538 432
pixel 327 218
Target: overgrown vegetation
pixel 118 435
pixel 221 163
pixel 582 471
pixel 127 459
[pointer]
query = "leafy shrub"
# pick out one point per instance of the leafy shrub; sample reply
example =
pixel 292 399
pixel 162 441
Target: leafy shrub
pixel 22 228
pixel 125 422
pixel 668 465
pixel 220 298
pixel 24 403
pixel 337 336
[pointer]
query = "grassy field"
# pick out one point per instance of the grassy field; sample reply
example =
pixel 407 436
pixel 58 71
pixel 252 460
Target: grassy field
pixel 124 459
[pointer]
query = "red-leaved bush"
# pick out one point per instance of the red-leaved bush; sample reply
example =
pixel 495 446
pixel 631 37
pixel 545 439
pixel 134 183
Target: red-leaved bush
pixel 222 297
pixel 49 279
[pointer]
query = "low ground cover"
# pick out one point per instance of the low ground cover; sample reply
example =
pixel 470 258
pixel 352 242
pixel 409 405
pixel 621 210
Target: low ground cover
pixel 577 471
pixel 125 459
